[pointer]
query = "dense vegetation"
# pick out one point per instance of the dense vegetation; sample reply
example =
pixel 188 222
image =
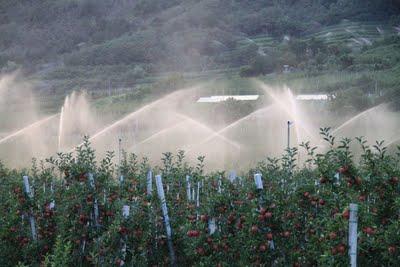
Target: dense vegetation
pixel 157 34
pixel 300 217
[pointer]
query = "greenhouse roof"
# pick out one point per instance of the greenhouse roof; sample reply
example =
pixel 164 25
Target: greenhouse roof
pixel 312 97
pixel 221 98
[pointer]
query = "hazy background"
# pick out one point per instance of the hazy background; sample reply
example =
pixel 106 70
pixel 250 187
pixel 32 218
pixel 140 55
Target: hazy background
pixel 75 67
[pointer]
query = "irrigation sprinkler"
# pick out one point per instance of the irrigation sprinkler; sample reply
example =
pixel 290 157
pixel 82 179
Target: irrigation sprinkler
pixel 353 234
pixel 60 128
pixel 289 123
pixel 161 195
pixel 119 154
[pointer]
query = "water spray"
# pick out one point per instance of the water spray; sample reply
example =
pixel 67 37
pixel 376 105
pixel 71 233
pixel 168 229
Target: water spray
pixel 29 127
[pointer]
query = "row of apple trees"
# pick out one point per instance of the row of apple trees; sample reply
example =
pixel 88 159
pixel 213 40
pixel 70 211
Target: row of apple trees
pixel 72 210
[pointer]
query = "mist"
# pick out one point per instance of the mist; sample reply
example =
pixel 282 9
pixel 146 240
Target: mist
pixel 178 122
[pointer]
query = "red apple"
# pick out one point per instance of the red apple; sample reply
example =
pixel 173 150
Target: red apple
pixel 254 229
pixel 269 236
pixel 392 249
pixel 286 234
pixel 341 248
pixel 332 235
pixel 346 214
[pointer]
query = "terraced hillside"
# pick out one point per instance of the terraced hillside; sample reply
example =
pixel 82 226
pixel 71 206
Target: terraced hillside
pixel 352 33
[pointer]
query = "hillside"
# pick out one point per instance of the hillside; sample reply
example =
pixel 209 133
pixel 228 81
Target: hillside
pixel 118 47
pixel 158 35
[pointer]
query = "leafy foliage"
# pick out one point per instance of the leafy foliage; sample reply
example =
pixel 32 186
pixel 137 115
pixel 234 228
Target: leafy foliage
pixel 299 218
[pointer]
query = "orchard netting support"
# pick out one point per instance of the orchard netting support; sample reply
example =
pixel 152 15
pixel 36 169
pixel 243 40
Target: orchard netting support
pixel 29 193
pixel 125 215
pixel 188 190
pixel 95 204
pixel 149 183
pixel 161 195
pixel 353 221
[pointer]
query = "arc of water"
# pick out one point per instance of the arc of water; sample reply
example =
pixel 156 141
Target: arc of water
pixel 283 106
pixel 218 133
pixel 229 141
pixel 160 133
pixel 23 130
pixel 129 116
pixel 357 117
pixel 121 121
pixel 191 120
pixel 393 142
pixel 133 114
pixel 140 110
